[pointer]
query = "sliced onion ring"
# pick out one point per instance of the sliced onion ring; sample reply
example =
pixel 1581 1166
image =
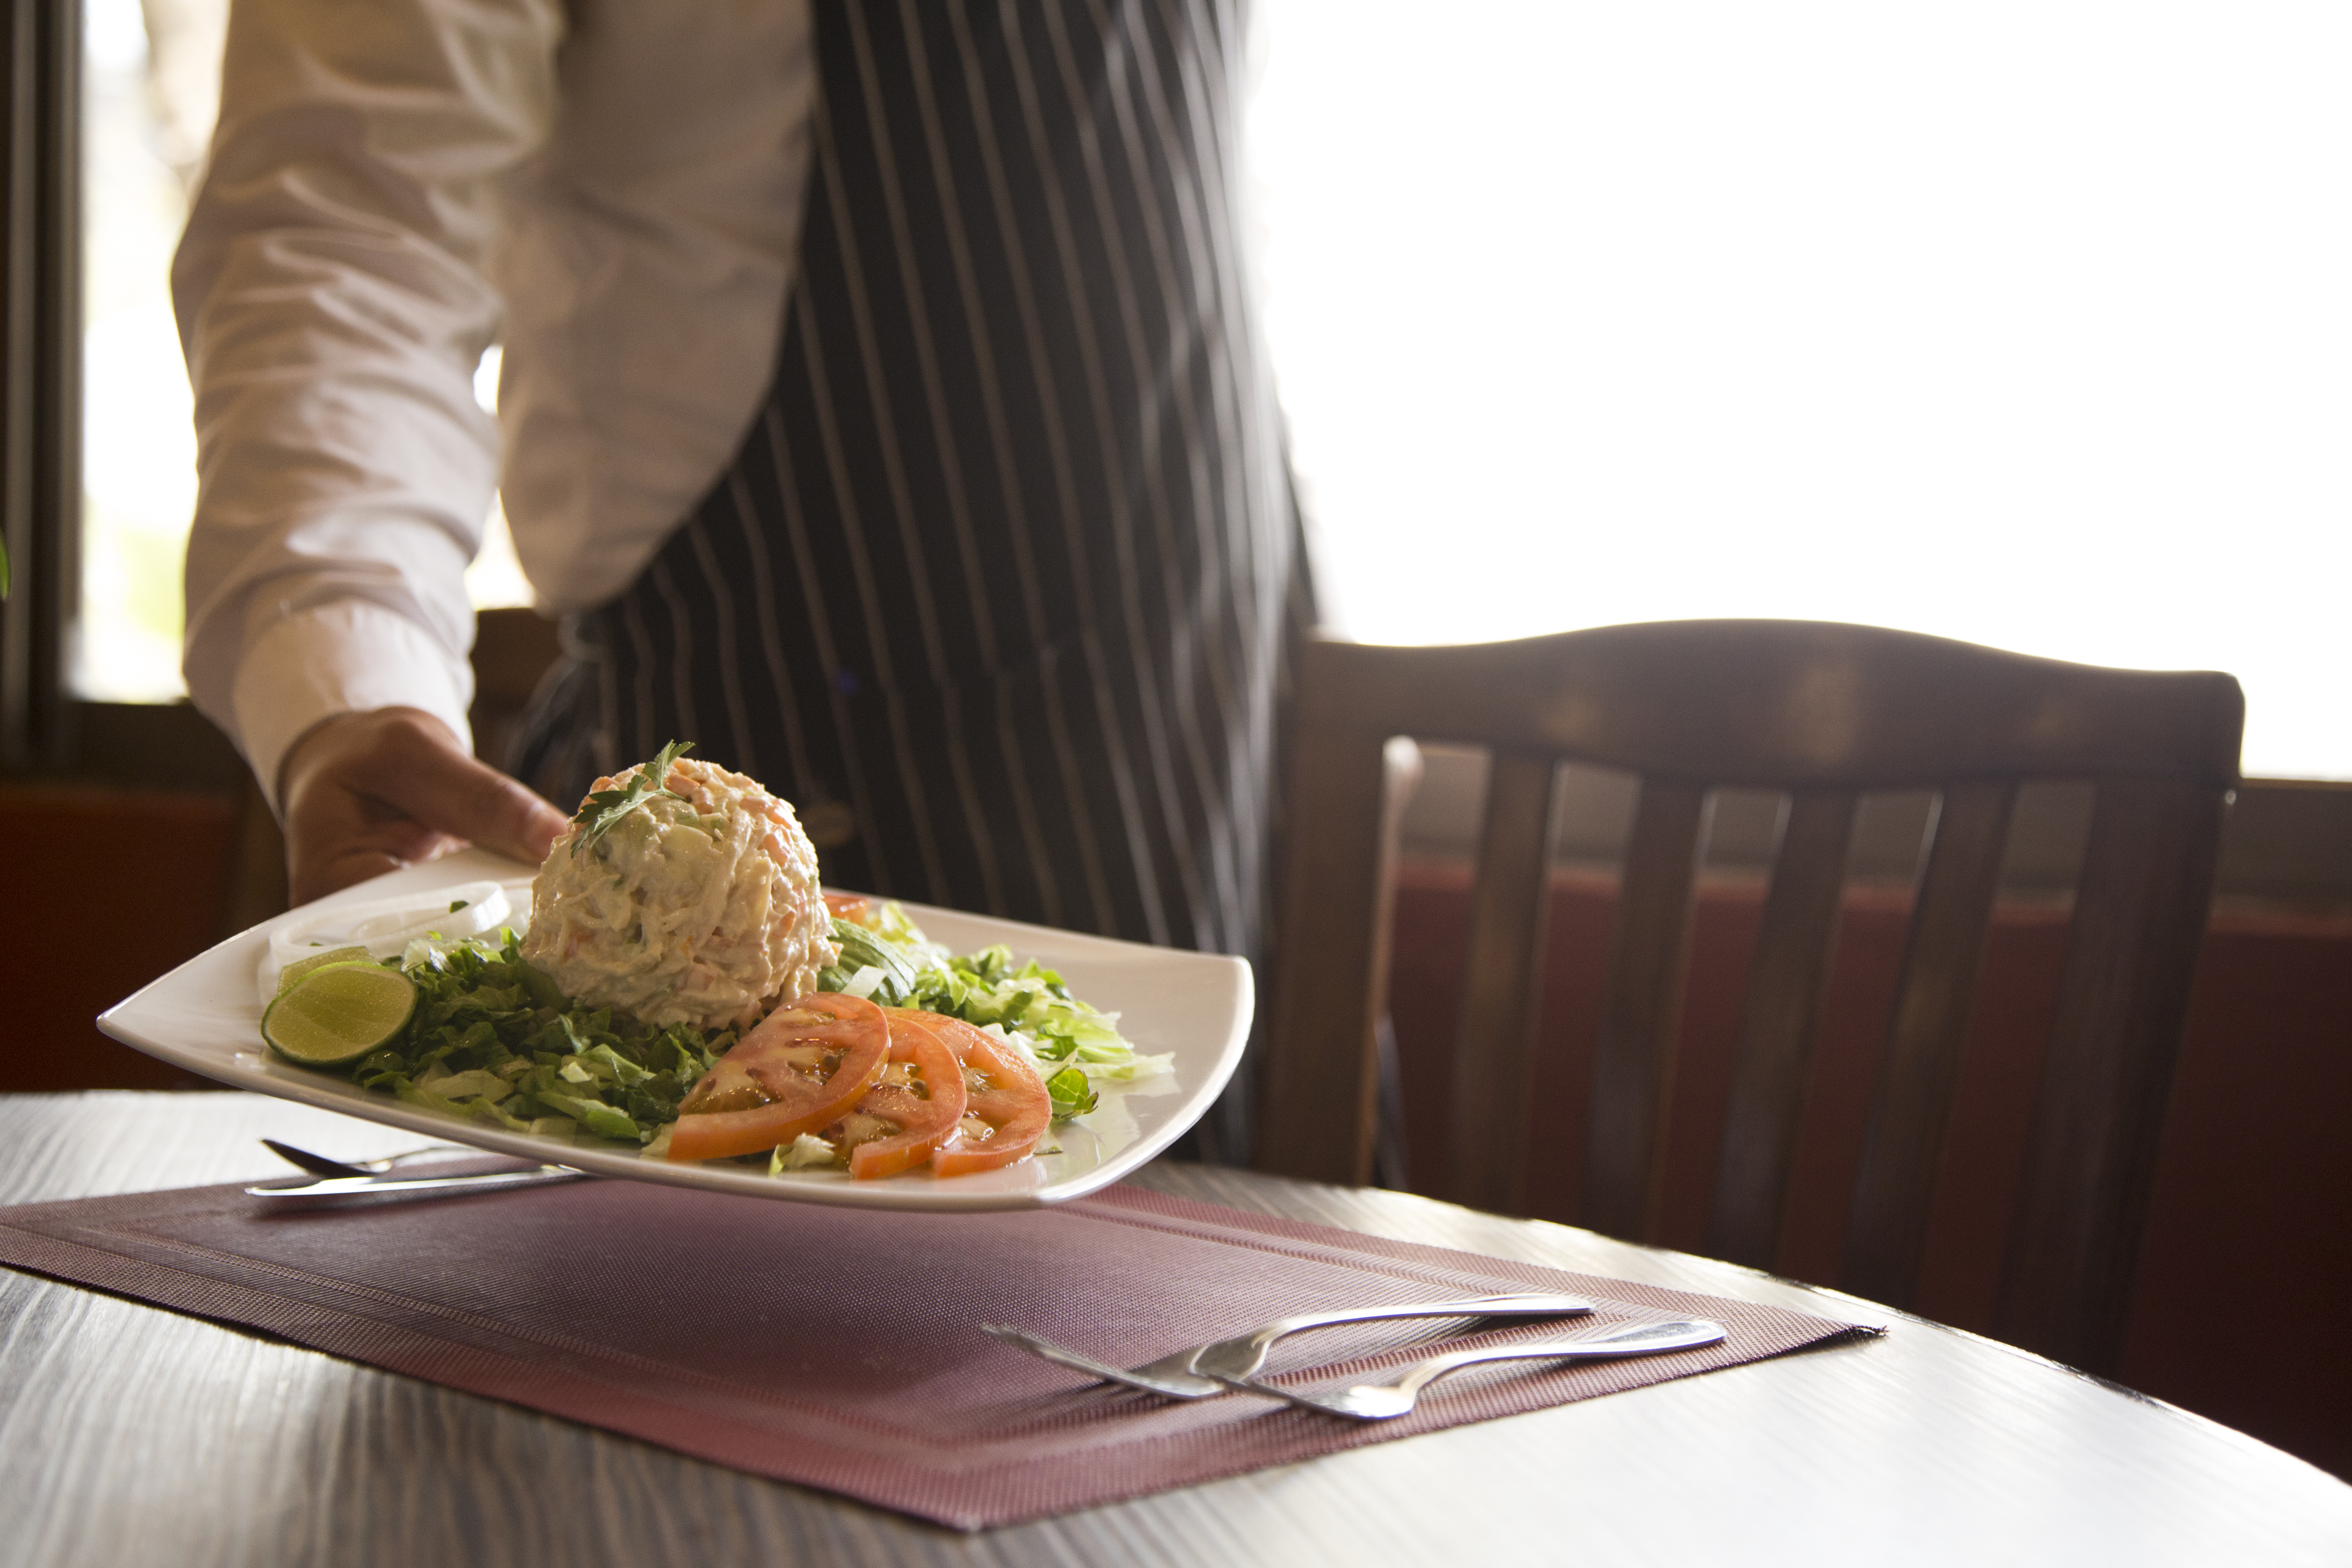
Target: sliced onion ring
pixel 384 926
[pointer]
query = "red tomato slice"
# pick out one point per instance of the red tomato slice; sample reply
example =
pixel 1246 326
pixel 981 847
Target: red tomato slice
pixel 846 906
pixel 893 1127
pixel 1013 1105
pixel 799 1070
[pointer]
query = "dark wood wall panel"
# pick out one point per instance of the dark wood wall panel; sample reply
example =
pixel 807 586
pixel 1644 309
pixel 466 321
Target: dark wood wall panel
pixel 106 888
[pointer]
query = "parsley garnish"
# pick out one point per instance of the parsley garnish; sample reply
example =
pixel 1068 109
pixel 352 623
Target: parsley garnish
pixel 604 807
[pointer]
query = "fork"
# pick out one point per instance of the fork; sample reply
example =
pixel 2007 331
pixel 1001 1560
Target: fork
pixel 319 1165
pixel 1383 1402
pixel 1205 1370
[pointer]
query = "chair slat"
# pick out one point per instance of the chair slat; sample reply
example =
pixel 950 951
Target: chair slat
pixel 1633 1064
pixel 1401 768
pixel 1911 1105
pixel 2139 918
pixel 1491 1055
pixel 1335 880
pixel 1776 1033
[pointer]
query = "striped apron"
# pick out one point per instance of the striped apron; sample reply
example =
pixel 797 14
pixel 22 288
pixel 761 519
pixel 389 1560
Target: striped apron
pixel 1001 585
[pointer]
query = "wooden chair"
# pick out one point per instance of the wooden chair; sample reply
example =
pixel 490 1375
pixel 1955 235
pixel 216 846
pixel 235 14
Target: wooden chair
pixel 1824 712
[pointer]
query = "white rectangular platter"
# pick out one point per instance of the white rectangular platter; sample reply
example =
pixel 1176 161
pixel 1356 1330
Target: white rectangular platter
pixel 206 1017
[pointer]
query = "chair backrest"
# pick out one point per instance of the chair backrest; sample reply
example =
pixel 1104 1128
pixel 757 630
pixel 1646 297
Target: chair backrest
pixel 1825 712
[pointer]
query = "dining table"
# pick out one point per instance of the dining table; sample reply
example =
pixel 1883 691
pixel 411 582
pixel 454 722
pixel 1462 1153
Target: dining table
pixel 130 1434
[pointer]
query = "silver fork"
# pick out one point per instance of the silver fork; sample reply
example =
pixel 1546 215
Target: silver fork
pixel 1205 1370
pixel 319 1165
pixel 1383 1402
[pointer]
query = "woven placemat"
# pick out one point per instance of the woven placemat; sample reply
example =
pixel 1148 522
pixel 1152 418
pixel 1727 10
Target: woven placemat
pixel 843 1349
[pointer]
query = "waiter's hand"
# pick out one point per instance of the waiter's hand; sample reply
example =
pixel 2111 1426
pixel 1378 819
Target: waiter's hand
pixel 369 792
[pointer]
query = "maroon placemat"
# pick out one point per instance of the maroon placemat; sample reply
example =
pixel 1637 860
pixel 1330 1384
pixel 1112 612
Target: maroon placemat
pixel 842 1349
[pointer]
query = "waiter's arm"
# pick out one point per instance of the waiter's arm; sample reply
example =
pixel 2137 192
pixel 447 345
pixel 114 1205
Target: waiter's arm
pixel 332 302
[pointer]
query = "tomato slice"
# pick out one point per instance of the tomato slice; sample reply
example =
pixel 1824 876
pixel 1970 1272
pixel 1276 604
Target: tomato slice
pixel 893 1127
pixel 1013 1105
pixel 845 906
pixel 799 1070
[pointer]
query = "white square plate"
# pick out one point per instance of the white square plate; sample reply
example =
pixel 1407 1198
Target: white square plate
pixel 206 1017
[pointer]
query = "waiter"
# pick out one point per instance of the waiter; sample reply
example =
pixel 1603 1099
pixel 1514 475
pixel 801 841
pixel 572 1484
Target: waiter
pixel 882 407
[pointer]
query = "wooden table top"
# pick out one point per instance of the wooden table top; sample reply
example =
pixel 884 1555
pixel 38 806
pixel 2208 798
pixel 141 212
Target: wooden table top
pixel 134 1436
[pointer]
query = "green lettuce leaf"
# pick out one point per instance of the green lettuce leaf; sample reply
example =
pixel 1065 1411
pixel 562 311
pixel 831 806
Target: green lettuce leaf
pixel 482 1010
pixel 1072 1094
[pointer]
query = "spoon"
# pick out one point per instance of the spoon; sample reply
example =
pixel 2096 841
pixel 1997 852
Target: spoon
pixel 1381 1402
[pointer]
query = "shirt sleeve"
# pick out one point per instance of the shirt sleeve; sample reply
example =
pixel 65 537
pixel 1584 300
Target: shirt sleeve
pixel 334 301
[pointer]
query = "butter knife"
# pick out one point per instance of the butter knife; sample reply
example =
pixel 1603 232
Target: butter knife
pixel 327 1187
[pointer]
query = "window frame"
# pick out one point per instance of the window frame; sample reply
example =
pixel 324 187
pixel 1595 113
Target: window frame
pixel 40 378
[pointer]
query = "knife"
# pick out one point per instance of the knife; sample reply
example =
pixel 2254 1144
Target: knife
pixel 373 1186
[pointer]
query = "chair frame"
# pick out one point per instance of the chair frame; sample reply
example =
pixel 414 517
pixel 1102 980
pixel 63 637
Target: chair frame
pixel 1824 711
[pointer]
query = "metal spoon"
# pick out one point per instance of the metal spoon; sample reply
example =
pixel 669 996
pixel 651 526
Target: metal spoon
pixel 1381 1402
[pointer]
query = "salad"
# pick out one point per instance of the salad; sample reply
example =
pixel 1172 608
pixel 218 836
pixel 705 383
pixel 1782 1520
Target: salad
pixel 885 1053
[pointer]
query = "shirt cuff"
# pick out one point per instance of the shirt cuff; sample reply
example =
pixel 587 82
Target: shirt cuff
pixel 344 657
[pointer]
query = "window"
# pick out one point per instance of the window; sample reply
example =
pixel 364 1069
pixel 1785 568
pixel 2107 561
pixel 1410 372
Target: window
pixel 2025 322
pixel 151 84
pixel 145 116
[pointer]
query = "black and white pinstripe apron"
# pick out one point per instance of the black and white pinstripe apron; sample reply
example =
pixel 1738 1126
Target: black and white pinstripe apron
pixel 999 588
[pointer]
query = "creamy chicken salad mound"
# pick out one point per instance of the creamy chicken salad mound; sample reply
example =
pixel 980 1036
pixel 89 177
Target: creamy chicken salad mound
pixel 681 893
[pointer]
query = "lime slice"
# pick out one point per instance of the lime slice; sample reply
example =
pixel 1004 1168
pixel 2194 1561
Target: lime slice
pixel 304 965
pixel 338 1014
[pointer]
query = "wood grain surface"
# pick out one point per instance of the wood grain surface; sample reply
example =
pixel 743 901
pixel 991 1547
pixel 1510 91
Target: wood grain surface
pixel 1493 1052
pixel 1781 704
pixel 1820 713
pixel 130 1436
pixel 1633 1063
pixel 1911 1107
pixel 2139 920
pixel 1775 1061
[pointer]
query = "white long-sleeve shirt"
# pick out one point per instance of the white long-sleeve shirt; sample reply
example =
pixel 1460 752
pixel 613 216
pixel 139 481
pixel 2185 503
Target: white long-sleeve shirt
pixel 613 190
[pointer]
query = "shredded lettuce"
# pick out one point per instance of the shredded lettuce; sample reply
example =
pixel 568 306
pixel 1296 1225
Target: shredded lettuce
pixel 492 1040
pixel 803 1152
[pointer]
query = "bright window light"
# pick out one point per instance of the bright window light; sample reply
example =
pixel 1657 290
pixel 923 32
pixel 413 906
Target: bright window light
pixel 2024 323
pixel 151 77
pixel 139 452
